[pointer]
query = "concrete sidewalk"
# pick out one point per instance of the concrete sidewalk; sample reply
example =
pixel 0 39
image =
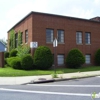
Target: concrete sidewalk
pixel 45 78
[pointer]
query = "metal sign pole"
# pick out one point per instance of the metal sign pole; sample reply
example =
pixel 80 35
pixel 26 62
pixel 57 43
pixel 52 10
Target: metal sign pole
pixel 33 45
pixel 55 58
pixel 55 61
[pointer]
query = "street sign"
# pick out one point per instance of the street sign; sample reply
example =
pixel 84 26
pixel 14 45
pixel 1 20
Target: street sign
pixel 33 44
pixel 55 43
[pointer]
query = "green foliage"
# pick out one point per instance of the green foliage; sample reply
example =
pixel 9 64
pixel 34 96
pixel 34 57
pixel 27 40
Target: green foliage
pixel 14 62
pixel 27 62
pixel 75 58
pixel 12 40
pixel 22 50
pixel 54 75
pixel 97 57
pixel 6 54
pixel 9 60
pixel 3 41
pixel 19 38
pixel 43 58
pixel 13 53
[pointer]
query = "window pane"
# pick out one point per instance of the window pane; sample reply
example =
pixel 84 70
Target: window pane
pixel 78 37
pixel 87 59
pixel 87 38
pixel 61 36
pixel 60 59
pixel 49 35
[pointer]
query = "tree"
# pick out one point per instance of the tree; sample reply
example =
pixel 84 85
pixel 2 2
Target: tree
pixel 3 41
pixel 12 40
pixel 75 58
pixel 43 57
pixel 22 50
pixel 19 38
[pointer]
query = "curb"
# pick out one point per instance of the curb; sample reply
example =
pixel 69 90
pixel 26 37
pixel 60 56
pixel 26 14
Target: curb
pixel 57 80
pixel 42 81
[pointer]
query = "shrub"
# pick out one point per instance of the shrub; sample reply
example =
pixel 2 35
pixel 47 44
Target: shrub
pixel 97 57
pixel 6 54
pixel 75 59
pixel 43 58
pixel 13 53
pixel 27 62
pixel 23 50
pixel 14 62
pixel 8 60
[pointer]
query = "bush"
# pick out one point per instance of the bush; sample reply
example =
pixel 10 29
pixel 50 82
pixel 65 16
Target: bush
pixel 13 53
pixel 5 61
pixel 23 50
pixel 6 54
pixel 43 58
pixel 27 62
pixel 14 62
pixel 97 57
pixel 75 59
pixel 8 60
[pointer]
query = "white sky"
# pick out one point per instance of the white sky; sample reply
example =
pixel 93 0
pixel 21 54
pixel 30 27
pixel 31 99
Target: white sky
pixel 12 11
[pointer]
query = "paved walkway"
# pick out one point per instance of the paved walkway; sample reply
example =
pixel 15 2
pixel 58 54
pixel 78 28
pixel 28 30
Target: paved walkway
pixel 45 78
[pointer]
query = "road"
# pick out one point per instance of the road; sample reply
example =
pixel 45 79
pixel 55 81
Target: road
pixel 77 89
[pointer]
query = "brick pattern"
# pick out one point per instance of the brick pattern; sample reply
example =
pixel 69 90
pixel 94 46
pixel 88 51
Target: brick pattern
pixel 1 59
pixel 37 23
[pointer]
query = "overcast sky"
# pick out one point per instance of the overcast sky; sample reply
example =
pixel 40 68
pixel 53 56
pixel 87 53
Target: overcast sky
pixel 11 11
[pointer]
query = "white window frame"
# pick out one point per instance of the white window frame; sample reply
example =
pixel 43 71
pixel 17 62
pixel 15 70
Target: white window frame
pixel 88 59
pixel 88 38
pixel 60 59
pixel 49 39
pixel 79 37
pixel 61 37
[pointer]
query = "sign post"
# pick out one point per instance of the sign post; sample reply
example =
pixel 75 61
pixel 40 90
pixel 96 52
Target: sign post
pixel 32 46
pixel 55 44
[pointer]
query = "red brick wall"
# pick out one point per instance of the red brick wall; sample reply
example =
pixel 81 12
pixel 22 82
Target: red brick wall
pixel 70 26
pixel 1 59
pixel 37 23
pixel 24 25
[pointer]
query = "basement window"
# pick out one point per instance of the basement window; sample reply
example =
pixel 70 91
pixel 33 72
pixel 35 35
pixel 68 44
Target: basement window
pixel 60 59
pixel 88 59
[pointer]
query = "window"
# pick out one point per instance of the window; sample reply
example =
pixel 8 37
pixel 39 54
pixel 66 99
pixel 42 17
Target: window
pixel 16 40
pixel 87 59
pixel 79 37
pixel 60 59
pixel 26 36
pixel 49 35
pixel 60 36
pixel 87 38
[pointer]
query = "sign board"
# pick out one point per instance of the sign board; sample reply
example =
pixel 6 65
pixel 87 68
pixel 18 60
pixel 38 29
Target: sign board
pixel 55 43
pixel 33 44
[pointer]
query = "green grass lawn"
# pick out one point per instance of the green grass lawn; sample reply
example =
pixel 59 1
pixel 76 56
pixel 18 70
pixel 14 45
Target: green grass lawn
pixel 12 72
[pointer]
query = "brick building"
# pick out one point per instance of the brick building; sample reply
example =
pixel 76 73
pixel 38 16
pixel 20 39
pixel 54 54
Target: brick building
pixel 70 32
